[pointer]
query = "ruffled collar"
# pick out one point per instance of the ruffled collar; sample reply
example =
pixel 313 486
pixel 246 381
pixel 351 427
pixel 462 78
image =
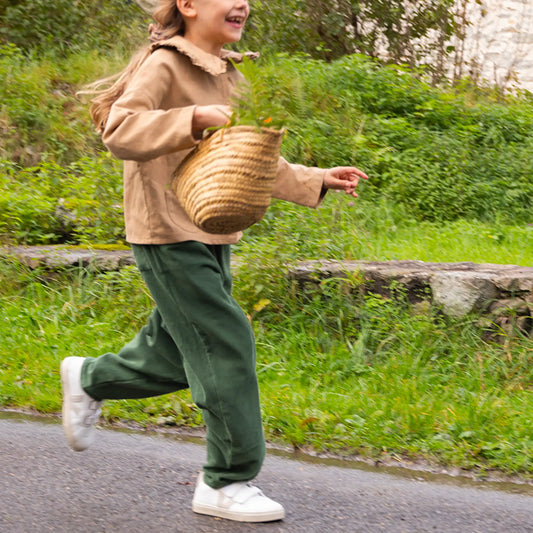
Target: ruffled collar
pixel 210 63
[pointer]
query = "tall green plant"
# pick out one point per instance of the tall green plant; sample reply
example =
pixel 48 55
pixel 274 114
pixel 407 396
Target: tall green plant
pixel 252 102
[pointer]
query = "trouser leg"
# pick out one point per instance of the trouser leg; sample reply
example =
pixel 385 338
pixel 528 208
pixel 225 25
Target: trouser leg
pixel 150 365
pixel 191 285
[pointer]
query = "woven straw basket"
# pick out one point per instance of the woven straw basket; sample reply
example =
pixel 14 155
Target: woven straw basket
pixel 225 184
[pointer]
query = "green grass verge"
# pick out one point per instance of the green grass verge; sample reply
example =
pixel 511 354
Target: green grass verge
pixel 338 372
pixel 378 230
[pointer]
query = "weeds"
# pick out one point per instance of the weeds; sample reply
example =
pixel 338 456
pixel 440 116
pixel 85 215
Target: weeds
pixel 381 231
pixel 376 378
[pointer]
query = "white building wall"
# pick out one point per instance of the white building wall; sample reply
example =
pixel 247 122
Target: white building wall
pixel 499 42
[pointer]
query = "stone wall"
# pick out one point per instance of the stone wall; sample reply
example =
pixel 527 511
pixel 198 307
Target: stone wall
pixel 501 294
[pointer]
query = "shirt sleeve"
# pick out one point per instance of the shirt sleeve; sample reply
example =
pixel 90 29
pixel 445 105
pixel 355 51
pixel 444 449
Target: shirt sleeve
pixel 138 128
pixel 299 184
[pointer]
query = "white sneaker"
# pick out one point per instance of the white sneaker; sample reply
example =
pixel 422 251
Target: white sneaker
pixel 239 501
pixel 80 411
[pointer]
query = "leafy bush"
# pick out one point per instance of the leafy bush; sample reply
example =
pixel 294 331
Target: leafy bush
pixel 61 25
pixel 436 151
pixel 49 203
pixel 40 113
pixel 413 32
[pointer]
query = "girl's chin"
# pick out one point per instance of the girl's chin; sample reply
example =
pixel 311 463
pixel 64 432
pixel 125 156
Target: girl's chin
pixel 234 38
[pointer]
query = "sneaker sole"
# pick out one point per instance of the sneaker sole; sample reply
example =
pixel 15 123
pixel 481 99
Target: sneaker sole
pixel 236 515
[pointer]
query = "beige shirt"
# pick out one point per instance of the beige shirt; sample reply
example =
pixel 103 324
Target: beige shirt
pixel 150 128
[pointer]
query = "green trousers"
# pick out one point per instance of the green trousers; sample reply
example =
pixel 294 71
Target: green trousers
pixel 198 337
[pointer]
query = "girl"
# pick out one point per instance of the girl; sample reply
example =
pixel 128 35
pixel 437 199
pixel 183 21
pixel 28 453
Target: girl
pixel 197 336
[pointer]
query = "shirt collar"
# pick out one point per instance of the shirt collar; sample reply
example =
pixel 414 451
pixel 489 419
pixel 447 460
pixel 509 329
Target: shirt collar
pixel 210 63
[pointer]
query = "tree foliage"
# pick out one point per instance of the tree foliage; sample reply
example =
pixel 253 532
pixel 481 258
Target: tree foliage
pixel 414 32
pixel 60 25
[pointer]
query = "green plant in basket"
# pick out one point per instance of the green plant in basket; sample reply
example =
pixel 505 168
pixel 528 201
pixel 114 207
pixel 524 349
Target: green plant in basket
pixel 254 103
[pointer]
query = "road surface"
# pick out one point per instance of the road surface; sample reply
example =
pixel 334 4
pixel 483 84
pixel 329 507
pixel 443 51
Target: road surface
pixel 132 483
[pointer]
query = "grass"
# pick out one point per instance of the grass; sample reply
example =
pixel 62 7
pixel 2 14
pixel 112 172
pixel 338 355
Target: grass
pixel 419 387
pixel 378 231
pixel 338 372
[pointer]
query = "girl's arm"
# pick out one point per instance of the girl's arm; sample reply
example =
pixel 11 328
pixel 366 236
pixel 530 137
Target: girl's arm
pixel 142 125
pixel 307 185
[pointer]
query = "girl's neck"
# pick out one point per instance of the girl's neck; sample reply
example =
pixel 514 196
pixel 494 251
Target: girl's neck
pixel 204 44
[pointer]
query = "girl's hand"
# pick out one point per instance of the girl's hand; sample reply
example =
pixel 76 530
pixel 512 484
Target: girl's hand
pixel 343 179
pixel 210 116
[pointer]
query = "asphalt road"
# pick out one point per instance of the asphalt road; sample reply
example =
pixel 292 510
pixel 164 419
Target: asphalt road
pixel 133 483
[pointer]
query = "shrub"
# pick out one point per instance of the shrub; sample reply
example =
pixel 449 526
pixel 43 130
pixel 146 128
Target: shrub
pixel 435 151
pixel 412 32
pixel 81 202
pixel 61 25
pixel 40 113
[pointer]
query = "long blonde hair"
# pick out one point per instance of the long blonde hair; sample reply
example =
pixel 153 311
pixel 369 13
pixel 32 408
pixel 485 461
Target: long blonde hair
pixel 168 23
